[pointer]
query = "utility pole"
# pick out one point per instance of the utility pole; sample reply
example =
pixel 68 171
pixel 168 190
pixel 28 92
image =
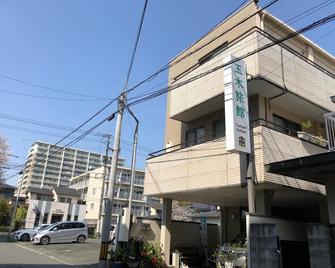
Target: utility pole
pixel 106 224
pixel 15 205
pixel 116 149
pixel 133 160
pixel 108 136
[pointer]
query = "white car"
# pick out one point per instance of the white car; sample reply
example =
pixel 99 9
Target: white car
pixel 61 232
pixel 28 234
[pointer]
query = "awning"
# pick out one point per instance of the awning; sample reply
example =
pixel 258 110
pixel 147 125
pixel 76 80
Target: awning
pixel 314 168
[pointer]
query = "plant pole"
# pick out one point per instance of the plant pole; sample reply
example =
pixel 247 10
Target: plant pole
pixel 106 224
pixel 108 136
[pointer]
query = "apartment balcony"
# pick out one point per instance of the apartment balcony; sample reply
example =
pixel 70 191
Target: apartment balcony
pixel 201 172
pixel 271 72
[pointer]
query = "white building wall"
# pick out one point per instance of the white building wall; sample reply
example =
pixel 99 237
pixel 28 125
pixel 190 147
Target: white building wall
pixel 50 208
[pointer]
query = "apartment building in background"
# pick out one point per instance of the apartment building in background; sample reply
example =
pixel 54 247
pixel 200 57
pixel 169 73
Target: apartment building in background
pixel 289 90
pixel 49 165
pixel 90 186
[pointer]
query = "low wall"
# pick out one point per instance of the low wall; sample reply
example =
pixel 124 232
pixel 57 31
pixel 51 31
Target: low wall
pixel 183 234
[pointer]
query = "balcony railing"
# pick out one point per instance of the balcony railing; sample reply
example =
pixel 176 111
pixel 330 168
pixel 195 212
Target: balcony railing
pixel 255 123
pixel 206 138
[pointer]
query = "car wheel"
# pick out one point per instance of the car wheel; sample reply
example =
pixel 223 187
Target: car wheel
pixel 44 240
pixel 81 239
pixel 25 237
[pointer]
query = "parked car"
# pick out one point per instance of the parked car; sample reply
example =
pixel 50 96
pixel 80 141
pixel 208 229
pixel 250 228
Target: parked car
pixel 28 234
pixel 68 231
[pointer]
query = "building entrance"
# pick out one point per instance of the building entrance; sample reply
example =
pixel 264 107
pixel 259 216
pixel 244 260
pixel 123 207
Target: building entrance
pixel 56 218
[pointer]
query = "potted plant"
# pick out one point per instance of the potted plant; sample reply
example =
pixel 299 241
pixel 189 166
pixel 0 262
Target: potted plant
pixel 230 255
pixel 152 256
pixel 117 258
pixel 133 258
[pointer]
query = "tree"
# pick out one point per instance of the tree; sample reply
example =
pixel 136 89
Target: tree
pixel 20 216
pixel 5 211
pixel 3 155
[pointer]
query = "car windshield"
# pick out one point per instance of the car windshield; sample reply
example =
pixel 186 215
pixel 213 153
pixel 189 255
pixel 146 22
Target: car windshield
pixel 42 227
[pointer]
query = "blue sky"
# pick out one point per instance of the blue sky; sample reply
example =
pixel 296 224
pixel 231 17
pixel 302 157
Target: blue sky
pixel 85 46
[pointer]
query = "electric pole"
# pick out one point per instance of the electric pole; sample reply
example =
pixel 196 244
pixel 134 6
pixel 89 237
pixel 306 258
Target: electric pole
pixel 15 204
pixel 104 176
pixel 133 160
pixel 106 224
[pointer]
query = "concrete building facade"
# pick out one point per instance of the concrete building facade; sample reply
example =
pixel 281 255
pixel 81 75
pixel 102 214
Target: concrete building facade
pixel 49 166
pixel 90 186
pixel 289 90
pixel 50 206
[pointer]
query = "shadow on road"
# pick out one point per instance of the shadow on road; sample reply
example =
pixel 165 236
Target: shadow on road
pixel 46 265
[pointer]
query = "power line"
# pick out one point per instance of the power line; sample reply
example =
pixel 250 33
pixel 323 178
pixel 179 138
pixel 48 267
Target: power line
pixel 291 20
pixel 48 88
pixel 54 126
pixel 44 97
pixel 289 36
pixel 169 65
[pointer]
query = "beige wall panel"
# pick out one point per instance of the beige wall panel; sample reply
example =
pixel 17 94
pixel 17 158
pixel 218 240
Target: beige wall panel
pixel 300 77
pixel 201 166
pixel 230 36
pixel 278 146
pixel 192 94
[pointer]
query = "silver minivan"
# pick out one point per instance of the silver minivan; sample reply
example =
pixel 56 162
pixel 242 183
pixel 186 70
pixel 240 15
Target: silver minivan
pixel 60 232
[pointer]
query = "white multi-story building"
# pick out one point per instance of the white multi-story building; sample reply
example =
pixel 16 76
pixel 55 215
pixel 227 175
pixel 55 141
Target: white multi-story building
pixel 49 165
pixel 90 186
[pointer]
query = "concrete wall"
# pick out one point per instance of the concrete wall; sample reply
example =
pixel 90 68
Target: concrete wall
pixel 183 234
pixel 286 230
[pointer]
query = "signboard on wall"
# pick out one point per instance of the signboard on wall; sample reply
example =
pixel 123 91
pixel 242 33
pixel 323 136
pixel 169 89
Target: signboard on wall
pixel 236 107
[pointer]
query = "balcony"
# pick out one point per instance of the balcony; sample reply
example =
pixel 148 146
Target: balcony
pixel 208 166
pixel 300 76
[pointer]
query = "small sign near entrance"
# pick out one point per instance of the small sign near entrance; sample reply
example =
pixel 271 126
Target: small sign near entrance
pixel 236 107
pixel 57 210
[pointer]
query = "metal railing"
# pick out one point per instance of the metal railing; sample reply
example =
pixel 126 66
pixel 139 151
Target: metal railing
pixel 219 135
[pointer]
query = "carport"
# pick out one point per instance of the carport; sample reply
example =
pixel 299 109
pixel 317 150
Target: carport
pixel 319 168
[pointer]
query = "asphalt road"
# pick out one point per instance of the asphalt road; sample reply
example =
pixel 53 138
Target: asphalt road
pixel 25 254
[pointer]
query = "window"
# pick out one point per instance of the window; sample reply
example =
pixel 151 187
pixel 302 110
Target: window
pixel 195 136
pixel 94 190
pixel 92 205
pixel 68 217
pixel 219 128
pixel 62 199
pixel 74 225
pixel 45 217
pixel 76 217
pixel 284 125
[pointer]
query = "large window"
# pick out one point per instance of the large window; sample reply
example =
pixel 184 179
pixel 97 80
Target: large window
pixel 195 136
pixel 219 128
pixel 284 125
